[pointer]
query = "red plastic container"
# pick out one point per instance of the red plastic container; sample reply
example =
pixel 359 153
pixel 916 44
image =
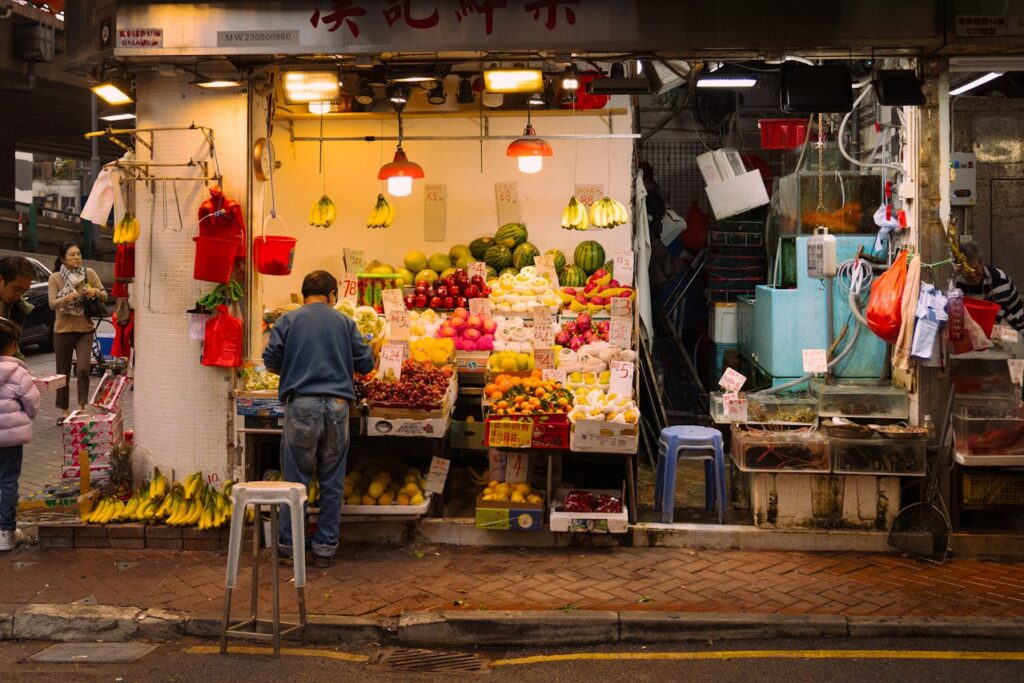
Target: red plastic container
pixel 274 254
pixel 782 133
pixel 982 312
pixel 215 258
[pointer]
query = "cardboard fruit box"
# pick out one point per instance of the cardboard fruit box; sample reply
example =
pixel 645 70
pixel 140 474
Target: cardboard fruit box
pixel 590 522
pixel 495 515
pixel 548 431
pixel 601 436
pixel 433 423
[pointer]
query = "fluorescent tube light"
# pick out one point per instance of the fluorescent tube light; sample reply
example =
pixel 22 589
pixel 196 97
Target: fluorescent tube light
pixel 971 85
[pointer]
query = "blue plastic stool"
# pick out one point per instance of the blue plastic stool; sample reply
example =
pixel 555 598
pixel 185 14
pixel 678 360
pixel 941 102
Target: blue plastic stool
pixel 672 447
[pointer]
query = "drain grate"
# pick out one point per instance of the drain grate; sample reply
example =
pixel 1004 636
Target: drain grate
pixel 431 661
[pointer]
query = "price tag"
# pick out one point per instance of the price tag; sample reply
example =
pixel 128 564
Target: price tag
pixel 622 308
pixel 477 268
pixel 545 265
pixel 391 357
pixel 354 261
pixel 399 325
pixel 557 375
pixel 434 203
pixel 1005 333
pixel 621 382
pixel 510 434
pixel 393 300
pixel 1016 370
pixel 480 307
pixel 624 267
pixel 620 332
pixel 588 194
pixel 543 334
pixel 544 358
pixel 517 466
pixel 732 381
pixel 507 197
pixel 348 287
pixel 735 408
pixel 438 474
pixel 815 361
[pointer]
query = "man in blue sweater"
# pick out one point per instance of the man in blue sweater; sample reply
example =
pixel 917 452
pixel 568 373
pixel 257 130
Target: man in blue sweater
pixel 316 350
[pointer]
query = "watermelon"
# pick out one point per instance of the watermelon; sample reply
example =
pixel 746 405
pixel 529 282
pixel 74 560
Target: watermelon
pixel 479 247
pixel 524 254
pixel 572 276
pixel 491 272
pixel 610 267
pixel 559 259
pixel 498 256
pixel 589 256
pixel 510 271
pixel 511 235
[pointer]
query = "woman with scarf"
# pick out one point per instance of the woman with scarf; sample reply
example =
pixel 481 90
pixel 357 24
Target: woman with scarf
pixel 70 285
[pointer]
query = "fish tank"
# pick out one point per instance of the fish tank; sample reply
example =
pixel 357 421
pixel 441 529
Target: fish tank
pixel 879 456
pixel 776 450
pixel 849 201
pixel 981 379
pixel 982 432
pixel 778 409
pixel 874 401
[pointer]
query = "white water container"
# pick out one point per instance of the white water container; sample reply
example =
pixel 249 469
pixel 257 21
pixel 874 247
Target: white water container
pixel 821 254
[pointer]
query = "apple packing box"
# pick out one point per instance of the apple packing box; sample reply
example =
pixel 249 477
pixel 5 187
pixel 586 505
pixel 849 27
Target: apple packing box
pixel 81 423
pixel 97 474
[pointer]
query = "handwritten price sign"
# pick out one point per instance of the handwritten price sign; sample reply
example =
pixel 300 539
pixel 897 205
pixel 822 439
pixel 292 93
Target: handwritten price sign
pixel 622 307
pixel 438 474
pixel 543 334
pixel 556 375
pixel 815 361
pixel 434 203
pixel 621 381
pixel 399 325
pixel 391 357
pixel 620 332
pixel 588 194
pixel 480 307
pixel 393 301
pixel 510 434
pixel 735 408
pixel 732 381
pixel 545 266
pixel 544 358
pixel 1016 370
pixel 507 197
pixel 348 287
pixel 624 267
pixel 516 467
pixel 354 261
pixel 477 268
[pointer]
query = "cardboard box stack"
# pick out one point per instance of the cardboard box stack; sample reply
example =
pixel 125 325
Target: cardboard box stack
pixel 96 435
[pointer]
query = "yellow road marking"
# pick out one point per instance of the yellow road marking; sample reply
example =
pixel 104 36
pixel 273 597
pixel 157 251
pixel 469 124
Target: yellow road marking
pixel 290 651
pixel 764 654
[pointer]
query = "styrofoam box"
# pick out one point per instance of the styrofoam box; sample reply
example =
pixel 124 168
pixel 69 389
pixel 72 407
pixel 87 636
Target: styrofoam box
pixel 590 522
pixel 723 323
pixel 736 195
pixel 388 510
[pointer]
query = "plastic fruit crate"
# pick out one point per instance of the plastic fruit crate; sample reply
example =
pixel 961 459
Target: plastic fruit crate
pixel 782 133
pixel 991 488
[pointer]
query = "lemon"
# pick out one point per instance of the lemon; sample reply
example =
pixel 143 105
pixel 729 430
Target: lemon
pixel 523 487
pixel 354 499
pixel 402 499
pixel 503 489
pixel 375 490
pixel 493 484
pixel 369 500
pixel 385 499
pixel 524 361
pixel 411 489
pixel 501 498
pixel 416 500
pixel 517 497
pixel 535 499
pixel 508 364
pixel 439 355
pixel 487 496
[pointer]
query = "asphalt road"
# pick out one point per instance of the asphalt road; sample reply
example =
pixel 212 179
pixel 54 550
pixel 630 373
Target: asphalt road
pixel 745 661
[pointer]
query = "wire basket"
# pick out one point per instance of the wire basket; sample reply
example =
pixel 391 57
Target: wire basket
pixel 990 488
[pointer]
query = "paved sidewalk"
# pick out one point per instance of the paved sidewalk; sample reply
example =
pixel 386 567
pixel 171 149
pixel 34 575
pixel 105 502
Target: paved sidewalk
pixel 372 581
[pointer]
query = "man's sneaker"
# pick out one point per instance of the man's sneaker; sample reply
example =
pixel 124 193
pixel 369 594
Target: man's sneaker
pixel 322 562
pixel 8 539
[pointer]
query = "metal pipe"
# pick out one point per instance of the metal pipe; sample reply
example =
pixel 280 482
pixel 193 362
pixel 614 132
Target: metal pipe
pixel 474 138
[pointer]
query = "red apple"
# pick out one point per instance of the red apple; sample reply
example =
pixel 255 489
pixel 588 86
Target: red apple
pixel 471 291
pixel 410 301
pixel 441 291
pixel 449 302
pixel 436 302
pixel 455 290
pixel 461 301
pixel 421 300
pixel 477 280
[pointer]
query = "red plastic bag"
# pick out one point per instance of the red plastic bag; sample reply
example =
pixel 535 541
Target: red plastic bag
pixel 223 345
pixel 696 234
pixel 221 217
pixel 885 314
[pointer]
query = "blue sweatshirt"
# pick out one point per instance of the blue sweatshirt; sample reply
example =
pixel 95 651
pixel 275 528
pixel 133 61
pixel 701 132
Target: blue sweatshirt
pixel 316 349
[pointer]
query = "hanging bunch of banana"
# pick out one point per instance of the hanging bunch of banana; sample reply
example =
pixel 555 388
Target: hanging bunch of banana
pixel 574 217
pixel 314 491
pixel 607 213
pixel 127 229
pixel 323 213
pixel 383 214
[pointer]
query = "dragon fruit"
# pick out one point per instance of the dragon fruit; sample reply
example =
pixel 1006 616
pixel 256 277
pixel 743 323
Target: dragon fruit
pixel 576 342
pixel 603 327
pixel 562 338
pixel 582 322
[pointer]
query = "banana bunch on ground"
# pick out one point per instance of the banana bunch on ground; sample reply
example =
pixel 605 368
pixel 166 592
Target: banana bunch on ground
pixel 574 217
pixel 323 213
pixel 109 509
pixel 127 229
pixel 607 213
pixel 383 214
pixel 314 491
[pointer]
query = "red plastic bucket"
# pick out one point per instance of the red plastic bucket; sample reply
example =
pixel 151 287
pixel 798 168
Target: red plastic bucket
pixel 215 258
pixel 274 254
pixel 982 312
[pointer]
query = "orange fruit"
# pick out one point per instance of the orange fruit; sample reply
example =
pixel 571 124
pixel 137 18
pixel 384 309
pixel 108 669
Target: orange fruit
pixel 490 388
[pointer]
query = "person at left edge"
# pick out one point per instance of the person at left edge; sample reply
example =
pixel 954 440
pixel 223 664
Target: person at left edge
pixel 16 273
pixel 316 350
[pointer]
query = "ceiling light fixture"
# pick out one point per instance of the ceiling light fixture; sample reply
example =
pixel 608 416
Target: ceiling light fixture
pixel 530 150
pixel 118 113
pixel 319 108
pixel 516 79
pixel 398 94
pixel 536 99
pixel 972 84
pixel 364 95
pixel 400 172
pixel 437 95
pixel 570 78
pixel 301 87
pixel 724 77
pixel 112 93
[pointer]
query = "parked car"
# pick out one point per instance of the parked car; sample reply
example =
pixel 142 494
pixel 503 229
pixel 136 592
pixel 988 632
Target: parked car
pixel 39 325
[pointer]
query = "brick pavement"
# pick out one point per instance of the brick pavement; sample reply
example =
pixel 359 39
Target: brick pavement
pixel 385 581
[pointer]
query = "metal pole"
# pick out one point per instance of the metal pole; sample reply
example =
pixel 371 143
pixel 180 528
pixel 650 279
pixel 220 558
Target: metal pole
pixel 94 171
pixel 473 138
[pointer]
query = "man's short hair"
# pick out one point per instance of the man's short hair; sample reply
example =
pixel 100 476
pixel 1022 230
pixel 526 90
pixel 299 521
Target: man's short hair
pixel 10 333
pixel 319 283
pixel 971 250
pixel 13 267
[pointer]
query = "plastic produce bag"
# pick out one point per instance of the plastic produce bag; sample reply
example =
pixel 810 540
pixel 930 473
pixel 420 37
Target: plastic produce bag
pixel 884 313
pixel 223 345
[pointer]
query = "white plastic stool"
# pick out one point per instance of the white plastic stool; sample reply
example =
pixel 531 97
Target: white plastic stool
pixel 272 494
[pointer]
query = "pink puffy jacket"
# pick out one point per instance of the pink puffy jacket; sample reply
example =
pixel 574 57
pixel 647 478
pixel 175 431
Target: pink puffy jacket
pixel 19 402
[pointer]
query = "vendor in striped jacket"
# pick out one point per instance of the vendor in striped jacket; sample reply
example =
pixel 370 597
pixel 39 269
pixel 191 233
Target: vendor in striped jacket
pixel 991 284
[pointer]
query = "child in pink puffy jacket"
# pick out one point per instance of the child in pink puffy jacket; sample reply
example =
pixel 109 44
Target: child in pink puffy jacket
pixel 19 403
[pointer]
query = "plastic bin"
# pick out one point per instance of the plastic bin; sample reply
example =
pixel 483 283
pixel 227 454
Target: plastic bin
pixel 982 312
pixel 106 340
pixel 782 133
pixel 895 457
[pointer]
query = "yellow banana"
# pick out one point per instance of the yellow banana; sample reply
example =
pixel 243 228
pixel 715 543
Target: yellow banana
pixel 323 213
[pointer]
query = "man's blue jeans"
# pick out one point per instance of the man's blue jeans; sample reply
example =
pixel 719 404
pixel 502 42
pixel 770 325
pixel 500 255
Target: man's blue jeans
pixel 315 441
pixel 10 471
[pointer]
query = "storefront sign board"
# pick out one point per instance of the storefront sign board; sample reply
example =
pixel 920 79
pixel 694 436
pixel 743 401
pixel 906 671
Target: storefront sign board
pixel 588 194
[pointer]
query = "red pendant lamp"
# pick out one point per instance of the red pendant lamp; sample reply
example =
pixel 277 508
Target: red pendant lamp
pixel 529 149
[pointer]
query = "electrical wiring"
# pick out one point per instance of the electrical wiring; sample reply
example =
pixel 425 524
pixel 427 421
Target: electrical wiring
pixel 842 149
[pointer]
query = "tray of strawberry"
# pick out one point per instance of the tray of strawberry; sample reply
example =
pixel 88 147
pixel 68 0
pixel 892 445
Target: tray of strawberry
pixel 421 386
pixel 533 395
